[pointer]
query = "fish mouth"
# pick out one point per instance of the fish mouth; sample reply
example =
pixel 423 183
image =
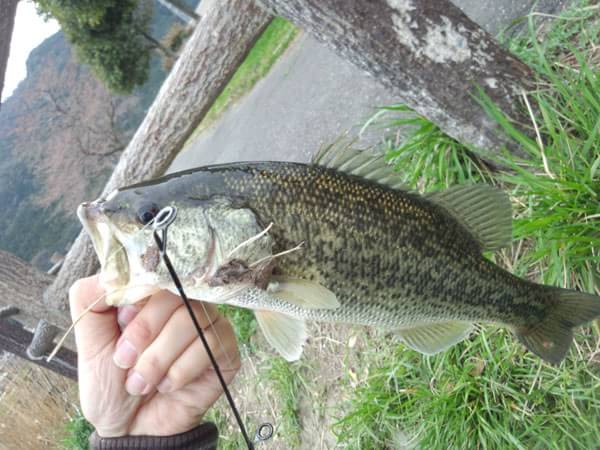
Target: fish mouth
pixel 110 251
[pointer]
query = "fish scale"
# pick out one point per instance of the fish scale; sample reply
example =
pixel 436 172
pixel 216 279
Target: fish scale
pixel 399 244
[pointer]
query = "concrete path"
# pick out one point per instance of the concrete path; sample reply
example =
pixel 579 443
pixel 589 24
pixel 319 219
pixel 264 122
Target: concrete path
pixel 311 97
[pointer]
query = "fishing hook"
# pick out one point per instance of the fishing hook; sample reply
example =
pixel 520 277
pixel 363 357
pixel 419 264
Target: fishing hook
pixel 161 223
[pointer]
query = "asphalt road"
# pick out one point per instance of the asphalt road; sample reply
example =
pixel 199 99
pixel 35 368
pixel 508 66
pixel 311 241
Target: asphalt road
pixel 311 97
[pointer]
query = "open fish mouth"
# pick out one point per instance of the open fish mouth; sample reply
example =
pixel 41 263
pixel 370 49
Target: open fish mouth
pixel 110 251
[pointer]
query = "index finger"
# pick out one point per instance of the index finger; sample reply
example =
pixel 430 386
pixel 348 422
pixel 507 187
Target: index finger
pixel 83 293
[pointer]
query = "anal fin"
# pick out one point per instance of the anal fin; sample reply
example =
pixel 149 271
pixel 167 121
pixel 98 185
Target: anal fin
pixel 286 334
pixel 433 338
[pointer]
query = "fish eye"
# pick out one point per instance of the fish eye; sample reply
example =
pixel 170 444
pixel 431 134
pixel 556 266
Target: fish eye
pixel 146 213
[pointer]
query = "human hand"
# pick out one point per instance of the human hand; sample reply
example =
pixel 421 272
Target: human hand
pixel 142 369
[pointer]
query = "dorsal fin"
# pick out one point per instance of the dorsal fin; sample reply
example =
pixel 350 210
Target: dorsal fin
pixel 484 210
pixel 367 164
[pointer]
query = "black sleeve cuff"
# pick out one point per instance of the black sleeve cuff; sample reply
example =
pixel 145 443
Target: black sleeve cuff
pixel 203 437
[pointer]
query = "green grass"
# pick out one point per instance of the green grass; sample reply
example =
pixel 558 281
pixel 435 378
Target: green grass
pixel 77 433
pixel 285 381
pixel 483 393
pixel 243 322
pixel 282 382
pixel 230 437
pixel 558 190
pixel 426 157
pixel 267 49
pixel 488 392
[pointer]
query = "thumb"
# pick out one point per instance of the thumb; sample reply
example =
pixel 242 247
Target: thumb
pixel 97 328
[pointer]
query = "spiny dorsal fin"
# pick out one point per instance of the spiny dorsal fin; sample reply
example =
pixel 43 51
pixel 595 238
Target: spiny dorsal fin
pixel 433 338
pixel 366 164
pixel 484 210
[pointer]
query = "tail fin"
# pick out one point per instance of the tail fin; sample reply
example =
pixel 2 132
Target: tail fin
pixel 551 338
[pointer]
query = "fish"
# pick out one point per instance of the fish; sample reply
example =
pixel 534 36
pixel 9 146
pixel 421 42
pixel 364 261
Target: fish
pixel 339 239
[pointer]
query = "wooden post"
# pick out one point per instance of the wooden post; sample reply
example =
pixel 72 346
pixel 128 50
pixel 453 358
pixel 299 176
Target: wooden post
pixel 42 341
pixel 15 339
pixel 429 52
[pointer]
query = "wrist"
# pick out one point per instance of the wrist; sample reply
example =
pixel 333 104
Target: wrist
pixel 202 437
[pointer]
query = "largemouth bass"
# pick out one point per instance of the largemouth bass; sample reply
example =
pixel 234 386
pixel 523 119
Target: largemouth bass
pixel 336 240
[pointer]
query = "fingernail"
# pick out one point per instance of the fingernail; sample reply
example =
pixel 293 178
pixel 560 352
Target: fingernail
pixel 136 385
pixel 126 315
pixel 126 355
pixel 165 386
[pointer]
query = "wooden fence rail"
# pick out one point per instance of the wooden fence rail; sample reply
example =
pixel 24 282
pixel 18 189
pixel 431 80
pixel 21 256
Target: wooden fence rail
pixel 15 339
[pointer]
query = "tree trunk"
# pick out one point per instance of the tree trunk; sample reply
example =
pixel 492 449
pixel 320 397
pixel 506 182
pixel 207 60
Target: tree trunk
pixel 428 51
pixel 220 42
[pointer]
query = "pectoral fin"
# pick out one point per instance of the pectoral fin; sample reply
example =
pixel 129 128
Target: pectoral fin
pixel 286 334
pixel 304 293
pixel 434 338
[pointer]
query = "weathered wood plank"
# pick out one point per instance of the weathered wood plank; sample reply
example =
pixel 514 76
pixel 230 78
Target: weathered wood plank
pixel 226 32
pixel 428 51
